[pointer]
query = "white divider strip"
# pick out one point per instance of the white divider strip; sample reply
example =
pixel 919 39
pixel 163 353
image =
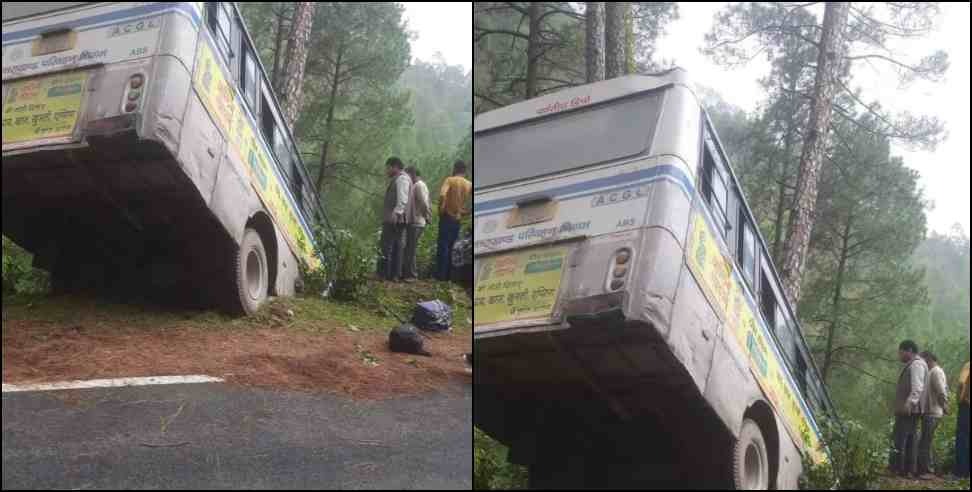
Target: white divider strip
pixel 110 383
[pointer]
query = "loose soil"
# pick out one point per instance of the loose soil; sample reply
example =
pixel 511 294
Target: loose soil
pixel 278 350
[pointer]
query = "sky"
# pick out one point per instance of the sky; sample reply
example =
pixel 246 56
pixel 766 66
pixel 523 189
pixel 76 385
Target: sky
pixel 441 27
pixel 944 173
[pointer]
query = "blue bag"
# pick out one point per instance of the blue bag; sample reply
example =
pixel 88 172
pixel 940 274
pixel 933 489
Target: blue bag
pixel 433 316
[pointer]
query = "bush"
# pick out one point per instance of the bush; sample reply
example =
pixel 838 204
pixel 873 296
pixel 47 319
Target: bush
pixel 857 458
pixel 348 263
pixel 19 277
pixel 943 447
pixel 491 471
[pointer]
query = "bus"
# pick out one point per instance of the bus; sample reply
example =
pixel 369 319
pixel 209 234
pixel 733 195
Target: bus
pixel 144 148
pixel 630 328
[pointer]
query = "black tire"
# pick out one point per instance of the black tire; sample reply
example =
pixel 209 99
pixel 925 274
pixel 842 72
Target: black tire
pixel 750 459
pixel 252 279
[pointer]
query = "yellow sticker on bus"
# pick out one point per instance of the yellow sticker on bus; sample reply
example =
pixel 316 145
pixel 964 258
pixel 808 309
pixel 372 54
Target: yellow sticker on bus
pixel 715 275
pixel 43 108
pixel 519 286
pixel 219 97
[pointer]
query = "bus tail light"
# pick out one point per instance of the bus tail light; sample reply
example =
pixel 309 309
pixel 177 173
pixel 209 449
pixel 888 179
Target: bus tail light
pixel 621 267
pixel 133 93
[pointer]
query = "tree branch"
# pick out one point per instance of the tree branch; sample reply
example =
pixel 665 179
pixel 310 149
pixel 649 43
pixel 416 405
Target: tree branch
pixel 488 99
pixel 486 32
pixel 862 371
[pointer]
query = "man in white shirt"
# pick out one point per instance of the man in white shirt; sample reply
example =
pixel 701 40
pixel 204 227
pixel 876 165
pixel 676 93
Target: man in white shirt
pixel 934 404
pixel 418 215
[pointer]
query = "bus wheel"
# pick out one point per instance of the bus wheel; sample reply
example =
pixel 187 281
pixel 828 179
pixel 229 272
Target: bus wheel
pixel 750 459
pixel 252 273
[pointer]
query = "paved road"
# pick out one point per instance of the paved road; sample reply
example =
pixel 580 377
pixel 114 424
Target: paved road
pixel 227 437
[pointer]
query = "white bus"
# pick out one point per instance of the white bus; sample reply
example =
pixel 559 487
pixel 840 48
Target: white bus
pixel 143 147
pixel 630 326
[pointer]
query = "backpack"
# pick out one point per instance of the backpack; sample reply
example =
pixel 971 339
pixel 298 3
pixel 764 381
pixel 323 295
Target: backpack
pixel 406 339
pixel 433 316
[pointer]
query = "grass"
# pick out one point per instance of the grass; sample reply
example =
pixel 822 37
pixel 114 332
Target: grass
pixel 374 312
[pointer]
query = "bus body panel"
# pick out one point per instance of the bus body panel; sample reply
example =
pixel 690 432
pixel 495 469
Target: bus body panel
pixel 106 33
pixel 678 138
pixel 694 341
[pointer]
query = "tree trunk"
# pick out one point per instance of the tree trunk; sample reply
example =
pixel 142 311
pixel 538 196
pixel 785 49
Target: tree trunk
pixel 326 172
pixel 838 293
pixel 533 50
pixel 829 63
pixel 278 49
pixel 595 41
pixel 629 40
pixel 782 205
pixel 296 61
pixel 614 39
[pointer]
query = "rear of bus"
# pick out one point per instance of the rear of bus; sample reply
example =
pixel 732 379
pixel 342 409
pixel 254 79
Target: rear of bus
pixel 582 209
pixel 113 169
pixel 94 102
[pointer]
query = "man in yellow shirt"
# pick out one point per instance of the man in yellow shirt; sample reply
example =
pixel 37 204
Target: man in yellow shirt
pixel 454 196
pixel 962 435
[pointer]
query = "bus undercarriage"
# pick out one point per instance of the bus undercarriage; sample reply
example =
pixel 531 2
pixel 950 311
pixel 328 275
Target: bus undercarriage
pixel 116 216
pixel 600 405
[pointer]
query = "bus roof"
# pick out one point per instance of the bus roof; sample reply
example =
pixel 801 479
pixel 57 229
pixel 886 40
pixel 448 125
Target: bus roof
pixel 576 97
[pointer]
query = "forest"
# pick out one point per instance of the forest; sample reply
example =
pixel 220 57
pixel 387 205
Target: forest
pixel 362 98
pixel 842 213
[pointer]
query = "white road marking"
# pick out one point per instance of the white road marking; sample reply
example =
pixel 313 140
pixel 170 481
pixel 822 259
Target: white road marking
pixel 110 383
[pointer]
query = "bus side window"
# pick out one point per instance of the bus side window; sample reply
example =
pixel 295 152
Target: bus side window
pixel 266 116
pixel 297 184
pixel 236 43
pixel 280 149
pixel 222 28
pixel 715 189
pixel 250 85
pixel 732 218
pixel 768 298
pixel 747 251
pixel 801 368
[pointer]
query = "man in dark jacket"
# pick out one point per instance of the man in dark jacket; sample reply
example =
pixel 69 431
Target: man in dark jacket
pixel 908 410
pixel 394 220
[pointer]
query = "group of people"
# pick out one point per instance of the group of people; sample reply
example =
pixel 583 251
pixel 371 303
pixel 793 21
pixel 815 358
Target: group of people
pixel 408 212
pixel 922 401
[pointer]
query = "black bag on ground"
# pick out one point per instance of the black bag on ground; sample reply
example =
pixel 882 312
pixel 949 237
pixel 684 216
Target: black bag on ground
pixel 407 340
pixel 433 316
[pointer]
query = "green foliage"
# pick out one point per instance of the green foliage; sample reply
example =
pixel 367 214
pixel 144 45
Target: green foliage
pixel 350 262
pixel 491 471
pixel 501 58
pixel 19 276
pixel 364 101
pixel 857 458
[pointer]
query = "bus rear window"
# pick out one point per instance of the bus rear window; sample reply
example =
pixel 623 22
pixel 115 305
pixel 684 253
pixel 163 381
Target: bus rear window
pixel 600 134
pixel 17 10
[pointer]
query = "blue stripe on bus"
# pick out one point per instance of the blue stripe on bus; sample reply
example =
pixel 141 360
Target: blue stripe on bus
pixel 118 15
pixel 595 186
